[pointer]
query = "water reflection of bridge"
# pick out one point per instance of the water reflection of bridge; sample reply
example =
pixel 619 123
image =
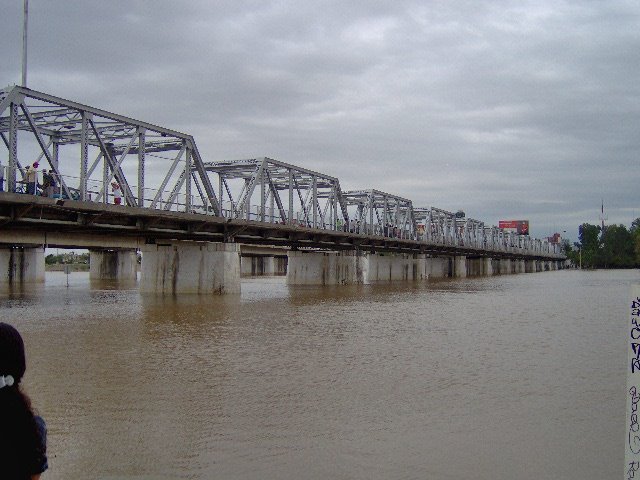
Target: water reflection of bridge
pixel 171 196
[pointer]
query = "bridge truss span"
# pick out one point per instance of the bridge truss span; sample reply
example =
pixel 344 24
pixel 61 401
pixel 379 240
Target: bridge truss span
pixel 268 190
pixel 379 213
pixel 111 155
pixel 97 158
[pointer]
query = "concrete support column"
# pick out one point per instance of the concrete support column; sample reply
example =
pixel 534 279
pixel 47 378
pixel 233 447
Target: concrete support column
pixel 326 268
pixel 437 267
pixel 257 265
pixel 280 265
pixel 21 265
pixel 487 267
pixel 475 267
pixel 191 267
pixel 460 266
pixel 263 265
pixel 529 266
pixel 520 266
pixel 268 265
pixel 113 265
pixel 345 268
pixel 505 266
pixel 249 266
pixel 391 267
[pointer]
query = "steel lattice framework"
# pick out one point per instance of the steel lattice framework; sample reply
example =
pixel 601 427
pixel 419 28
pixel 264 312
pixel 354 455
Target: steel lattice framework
pixel 380 213
pixel 159 168
pixel 253 188
pixel 114 151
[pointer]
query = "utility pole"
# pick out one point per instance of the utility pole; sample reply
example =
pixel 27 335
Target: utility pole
pixel 24 43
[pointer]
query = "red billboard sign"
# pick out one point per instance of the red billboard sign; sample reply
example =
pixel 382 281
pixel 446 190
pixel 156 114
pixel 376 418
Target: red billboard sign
pixel 521 227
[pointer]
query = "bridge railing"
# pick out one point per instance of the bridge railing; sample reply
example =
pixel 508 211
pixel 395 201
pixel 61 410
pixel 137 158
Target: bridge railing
pixel 469 233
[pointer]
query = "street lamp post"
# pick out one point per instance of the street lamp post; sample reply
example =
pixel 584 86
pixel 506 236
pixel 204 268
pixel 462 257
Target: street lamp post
pixel 24 43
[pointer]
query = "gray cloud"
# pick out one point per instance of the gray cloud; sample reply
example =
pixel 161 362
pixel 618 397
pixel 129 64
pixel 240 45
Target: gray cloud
pixel 504 109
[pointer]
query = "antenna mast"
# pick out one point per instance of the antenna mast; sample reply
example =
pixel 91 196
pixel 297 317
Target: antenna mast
pixel 603 217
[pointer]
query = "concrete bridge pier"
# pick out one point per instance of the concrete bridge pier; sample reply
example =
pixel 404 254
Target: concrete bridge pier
pixel 438 267
pixel 505 266
pixel 348 267
pixel 460 266
pixel 475 267
pixel 326 268
pixel 21 265
pixel 520 266
pixel 529 266
pixel 487 266
pixel 191 267
pixel 113 265
pixel 390 267
pixel 263 265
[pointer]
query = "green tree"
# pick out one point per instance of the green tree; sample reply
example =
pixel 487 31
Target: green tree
pixel 589 236
pixel 52 259
pixel 635 235
pixel 617 248
pixel 572 254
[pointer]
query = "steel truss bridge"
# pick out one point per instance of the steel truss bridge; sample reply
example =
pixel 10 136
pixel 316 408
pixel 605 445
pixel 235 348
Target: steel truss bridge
pixel 169 191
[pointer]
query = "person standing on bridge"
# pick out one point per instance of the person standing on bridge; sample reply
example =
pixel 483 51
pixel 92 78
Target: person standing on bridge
pixel 23 436
pixel 54 182
pixel 31 177
pixel 117 194
pixel 46 184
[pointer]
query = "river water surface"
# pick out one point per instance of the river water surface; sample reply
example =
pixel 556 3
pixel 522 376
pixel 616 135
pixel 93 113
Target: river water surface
pixel 507 377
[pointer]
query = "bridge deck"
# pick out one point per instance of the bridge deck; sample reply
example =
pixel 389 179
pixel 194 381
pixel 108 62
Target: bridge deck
pixel 30 219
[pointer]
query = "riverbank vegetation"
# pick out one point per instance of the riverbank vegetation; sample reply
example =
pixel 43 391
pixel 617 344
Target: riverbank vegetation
pixel 76 262
pixel 615 247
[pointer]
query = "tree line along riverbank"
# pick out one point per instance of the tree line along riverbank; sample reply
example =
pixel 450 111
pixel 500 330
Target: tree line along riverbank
pixel 615 246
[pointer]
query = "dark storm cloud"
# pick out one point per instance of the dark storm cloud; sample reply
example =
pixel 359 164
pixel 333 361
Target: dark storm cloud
pixel 504 109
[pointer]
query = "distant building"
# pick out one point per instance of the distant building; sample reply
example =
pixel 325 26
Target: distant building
pixel 555 238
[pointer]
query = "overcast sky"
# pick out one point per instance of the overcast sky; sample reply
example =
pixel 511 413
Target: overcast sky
pixel 504 109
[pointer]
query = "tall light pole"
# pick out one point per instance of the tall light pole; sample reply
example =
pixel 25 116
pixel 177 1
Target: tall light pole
pixel 580 254
pixel 24 43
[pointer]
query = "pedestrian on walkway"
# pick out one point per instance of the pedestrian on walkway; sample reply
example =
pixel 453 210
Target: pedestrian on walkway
pixel 31 174
pixel 54 182
pixel 117 193
pixel 46 183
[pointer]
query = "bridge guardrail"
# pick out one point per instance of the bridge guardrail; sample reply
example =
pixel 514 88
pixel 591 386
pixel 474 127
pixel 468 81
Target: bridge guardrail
pixel 98 193
pixel 459 238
